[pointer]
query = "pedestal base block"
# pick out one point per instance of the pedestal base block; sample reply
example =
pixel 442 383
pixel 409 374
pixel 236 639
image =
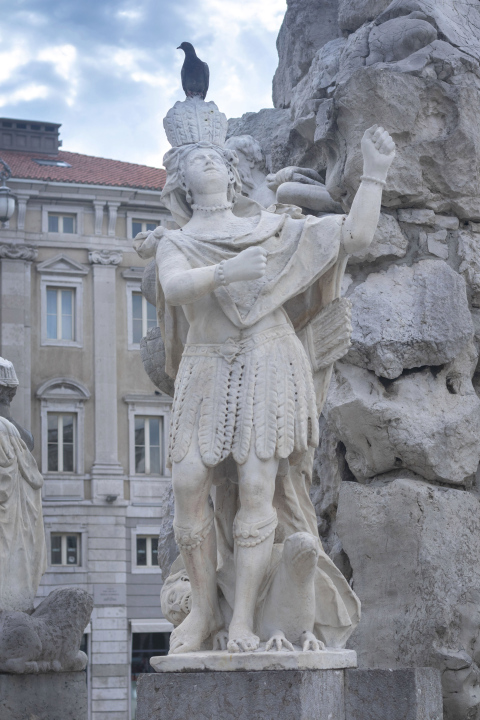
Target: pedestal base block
pixel 404 694
pixel 49 696
pixel 241 695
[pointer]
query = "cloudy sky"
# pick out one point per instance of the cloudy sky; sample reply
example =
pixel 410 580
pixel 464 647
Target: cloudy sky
pixel 108 70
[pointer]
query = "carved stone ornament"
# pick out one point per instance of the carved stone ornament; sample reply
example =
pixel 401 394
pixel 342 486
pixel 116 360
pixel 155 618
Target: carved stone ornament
pixel 194 120
pixel 105 257
pixel 18 252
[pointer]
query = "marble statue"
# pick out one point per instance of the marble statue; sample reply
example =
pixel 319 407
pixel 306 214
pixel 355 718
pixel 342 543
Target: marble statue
pixel 22 541
pixel 46 638
pixel 242 296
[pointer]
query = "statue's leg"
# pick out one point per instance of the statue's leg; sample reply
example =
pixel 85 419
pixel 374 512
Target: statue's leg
pixel 195 537
pixel 254 531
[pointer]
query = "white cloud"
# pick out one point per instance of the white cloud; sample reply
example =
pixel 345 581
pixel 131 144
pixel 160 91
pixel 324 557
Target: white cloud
pixel 26 93
pixel 64 61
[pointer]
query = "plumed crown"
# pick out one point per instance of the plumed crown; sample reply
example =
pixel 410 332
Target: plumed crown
pixel 194 120
pixel 8 375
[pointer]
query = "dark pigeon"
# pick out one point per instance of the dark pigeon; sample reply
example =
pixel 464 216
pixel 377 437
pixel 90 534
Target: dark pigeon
pixel 195 73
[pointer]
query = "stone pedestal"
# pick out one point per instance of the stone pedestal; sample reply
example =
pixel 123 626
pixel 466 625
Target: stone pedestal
pixel 50 696
pixel 334 694
pixel 242 695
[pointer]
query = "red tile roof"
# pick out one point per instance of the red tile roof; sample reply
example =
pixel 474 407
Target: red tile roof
pixel 84 169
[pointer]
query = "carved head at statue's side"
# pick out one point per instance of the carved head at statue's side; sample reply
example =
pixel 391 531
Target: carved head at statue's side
pixel 7 394
pixel 176 597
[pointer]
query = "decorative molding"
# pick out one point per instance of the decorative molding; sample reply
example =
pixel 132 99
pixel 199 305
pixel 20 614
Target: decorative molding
pixel 112 217
pixel 63 265
pixel 63 388
pixel 18 252
pixel 105 257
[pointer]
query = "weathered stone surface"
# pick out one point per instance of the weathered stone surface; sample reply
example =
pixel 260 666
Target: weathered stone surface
pixel 414 552
pixel 149 282
pixel 399 38
pixel 152 351
pixel 307 26
pixel 407 317
pixel 48 639
pixel 427 421
pixel 406 694
pixel 264 695
pixel 54 696
pixel 389 241
pixel 353 13
pixel 434 124
pixel 469 254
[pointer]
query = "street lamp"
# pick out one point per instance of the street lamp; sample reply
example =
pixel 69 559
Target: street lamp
pixel 7 198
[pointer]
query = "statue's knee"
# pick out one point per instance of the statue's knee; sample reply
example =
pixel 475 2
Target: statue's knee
pixel 186 484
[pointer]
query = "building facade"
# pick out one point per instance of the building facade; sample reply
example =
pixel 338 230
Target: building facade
pixel 72 316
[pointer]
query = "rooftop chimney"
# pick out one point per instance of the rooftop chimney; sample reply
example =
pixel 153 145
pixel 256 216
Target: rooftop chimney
pixel 29 136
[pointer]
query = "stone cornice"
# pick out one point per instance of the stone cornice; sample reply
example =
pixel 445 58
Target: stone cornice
pixel 105 257
pixel 10 251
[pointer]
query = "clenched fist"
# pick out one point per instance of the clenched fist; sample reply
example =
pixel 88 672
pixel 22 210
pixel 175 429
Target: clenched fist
pixel 249 264
pixel 378 152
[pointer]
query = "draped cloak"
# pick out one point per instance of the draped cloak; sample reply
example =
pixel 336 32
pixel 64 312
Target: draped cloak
pixel 305 264
pixel 22 538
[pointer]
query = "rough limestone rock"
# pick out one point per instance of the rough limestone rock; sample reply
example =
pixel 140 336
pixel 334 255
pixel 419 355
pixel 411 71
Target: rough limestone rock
pixel 167 547
pixel 48 639
pixel 389 241
pixel 408 317
pixel 414 550
pixel 427 421
pixel 316 22
pixel 353 13
pixel 399 38
pixel 469 253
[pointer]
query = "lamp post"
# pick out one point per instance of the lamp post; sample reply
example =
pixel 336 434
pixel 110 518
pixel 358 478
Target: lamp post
pixel 7 198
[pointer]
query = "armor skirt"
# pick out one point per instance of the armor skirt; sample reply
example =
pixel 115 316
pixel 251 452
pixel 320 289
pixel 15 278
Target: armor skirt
pixel 258 388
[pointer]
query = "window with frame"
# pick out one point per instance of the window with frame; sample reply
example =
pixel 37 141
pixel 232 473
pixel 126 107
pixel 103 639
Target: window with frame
pixel 148 445
pixel 60 313
pixel 144 316
pixel 147 551
pixel 65 549
pixel 61 442
pixel 61 223
pixel 139 226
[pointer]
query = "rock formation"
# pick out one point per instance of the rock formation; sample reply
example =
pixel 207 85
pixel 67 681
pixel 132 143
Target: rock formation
pixel 400 434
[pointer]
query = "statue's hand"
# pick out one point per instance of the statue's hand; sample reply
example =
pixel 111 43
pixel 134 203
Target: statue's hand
pixel 249 264
pixel 378 151
pixel 145 243
pixel 292 173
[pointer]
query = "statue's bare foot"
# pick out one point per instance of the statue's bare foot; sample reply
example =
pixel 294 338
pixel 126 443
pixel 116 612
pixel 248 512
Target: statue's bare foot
pixel 242 639
pixel 308 641
pixel 190 634
pixel 278 641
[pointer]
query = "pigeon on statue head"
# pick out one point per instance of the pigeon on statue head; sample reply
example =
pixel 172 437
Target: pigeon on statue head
pixel 195 73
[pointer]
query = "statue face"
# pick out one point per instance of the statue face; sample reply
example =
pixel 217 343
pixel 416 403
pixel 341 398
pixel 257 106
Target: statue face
pixel 176 602
pixel 205 172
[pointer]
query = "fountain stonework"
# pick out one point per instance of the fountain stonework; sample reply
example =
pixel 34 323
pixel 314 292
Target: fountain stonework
pixel 251 324
pixel 396 483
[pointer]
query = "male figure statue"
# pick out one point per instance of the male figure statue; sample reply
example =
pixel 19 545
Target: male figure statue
pixel 244 387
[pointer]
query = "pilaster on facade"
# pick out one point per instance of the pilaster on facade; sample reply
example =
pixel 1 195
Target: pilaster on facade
pixel 15 283
pixel 99 206
pixel 107 473
pixel 22 200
